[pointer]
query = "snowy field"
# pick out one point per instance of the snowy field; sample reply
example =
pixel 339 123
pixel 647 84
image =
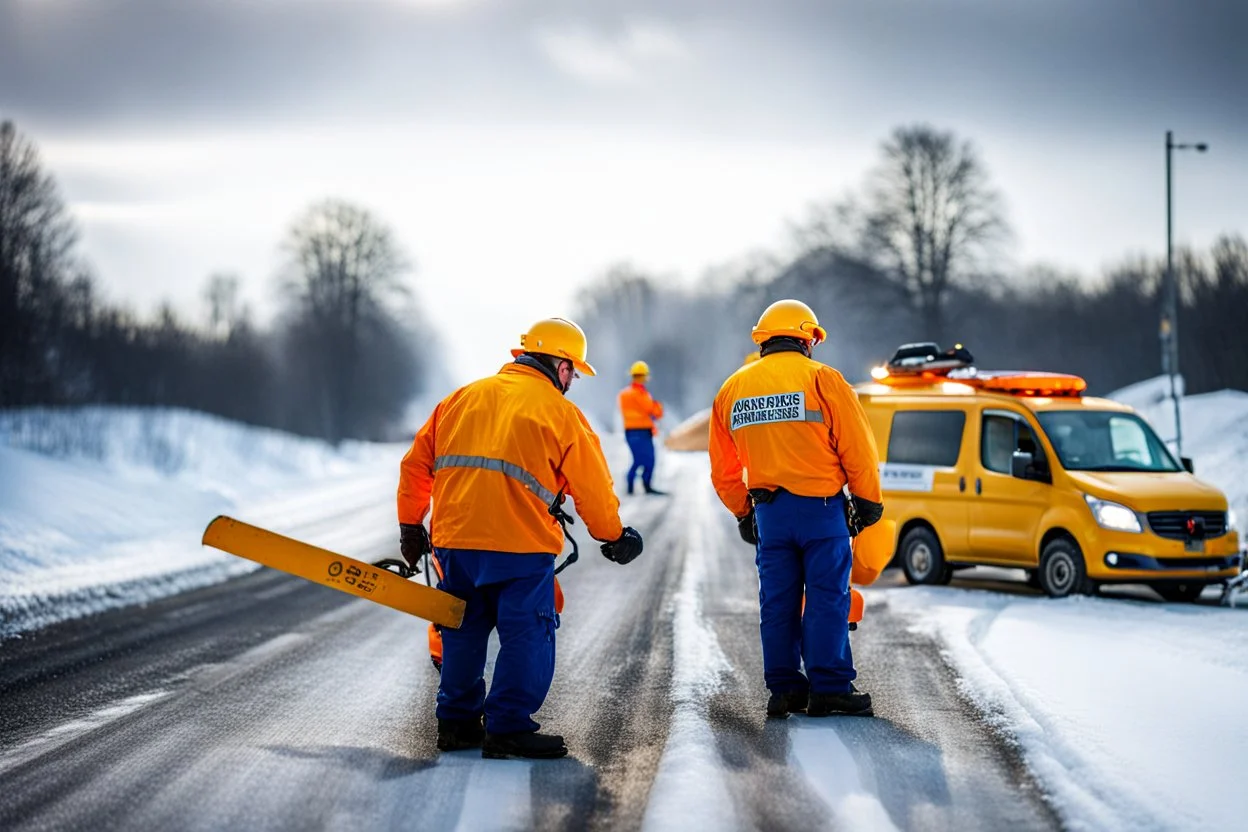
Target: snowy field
pixel 1215 432
pixel 104 507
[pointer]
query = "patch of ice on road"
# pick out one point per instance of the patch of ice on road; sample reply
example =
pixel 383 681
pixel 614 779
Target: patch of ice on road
pixel 497 795
pixel 690 783
pixel 1130 714
pixel 66 732
pixel 832 774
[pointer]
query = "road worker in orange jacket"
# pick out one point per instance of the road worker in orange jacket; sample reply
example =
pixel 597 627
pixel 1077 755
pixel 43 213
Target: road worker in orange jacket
pixel 641 411
pixel 787 435
pixel 495 457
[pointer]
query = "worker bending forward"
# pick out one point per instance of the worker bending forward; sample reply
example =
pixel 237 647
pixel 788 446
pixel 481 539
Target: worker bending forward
pixel 797 430
pixel 494 456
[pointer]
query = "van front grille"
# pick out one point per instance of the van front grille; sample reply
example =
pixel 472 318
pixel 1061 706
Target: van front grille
pixel 1173 524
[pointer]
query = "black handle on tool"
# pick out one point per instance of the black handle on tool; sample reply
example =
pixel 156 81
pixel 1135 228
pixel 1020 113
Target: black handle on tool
pixel 565 520
pixel 396 565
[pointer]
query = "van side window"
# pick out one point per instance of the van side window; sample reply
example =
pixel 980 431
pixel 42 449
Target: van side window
pixel 926 437
pixel 1001 437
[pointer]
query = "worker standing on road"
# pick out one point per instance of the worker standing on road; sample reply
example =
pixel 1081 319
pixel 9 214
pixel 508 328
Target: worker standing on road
pixel 495 456
pixel 640 411
pixel 795 428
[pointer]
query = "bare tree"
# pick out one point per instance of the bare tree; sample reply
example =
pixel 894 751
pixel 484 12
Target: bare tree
pixel 930 216
pixel 222 306
pixel 344 265
pixel 36 242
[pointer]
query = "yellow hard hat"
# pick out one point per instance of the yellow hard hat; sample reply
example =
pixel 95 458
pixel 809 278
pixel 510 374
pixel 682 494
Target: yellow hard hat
pixel 558 337
pixel 750 358
pixel 639 368
pixel 790 318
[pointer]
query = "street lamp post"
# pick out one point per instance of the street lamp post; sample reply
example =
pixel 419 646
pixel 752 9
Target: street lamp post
pixel 1170 303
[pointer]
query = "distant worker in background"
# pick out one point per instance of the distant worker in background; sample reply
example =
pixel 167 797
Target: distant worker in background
pixel 496 457
pixel 796 430
pixel 641 413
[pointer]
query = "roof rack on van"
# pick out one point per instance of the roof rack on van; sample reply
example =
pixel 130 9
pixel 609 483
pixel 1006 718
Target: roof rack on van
pixel 923 364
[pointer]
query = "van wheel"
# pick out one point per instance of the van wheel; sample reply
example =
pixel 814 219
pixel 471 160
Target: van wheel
pixel 1179 591
pixel 922 559
pixel 1062 570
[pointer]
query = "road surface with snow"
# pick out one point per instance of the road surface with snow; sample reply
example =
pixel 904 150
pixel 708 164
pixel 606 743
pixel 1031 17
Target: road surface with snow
pixel 269 703
pixel 142 692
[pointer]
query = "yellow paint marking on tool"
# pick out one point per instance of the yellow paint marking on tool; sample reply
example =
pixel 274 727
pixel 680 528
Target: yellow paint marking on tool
pixel 333 570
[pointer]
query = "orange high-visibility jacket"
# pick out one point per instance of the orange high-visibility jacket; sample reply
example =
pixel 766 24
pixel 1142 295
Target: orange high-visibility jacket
pixel 494 455
pixel 792 423
pixel 639 408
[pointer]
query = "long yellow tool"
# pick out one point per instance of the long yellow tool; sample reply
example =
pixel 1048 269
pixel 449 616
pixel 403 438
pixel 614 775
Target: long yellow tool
pixel 333 570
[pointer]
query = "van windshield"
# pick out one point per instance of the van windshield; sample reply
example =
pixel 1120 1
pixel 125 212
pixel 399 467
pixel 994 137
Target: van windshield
pixel 1105 440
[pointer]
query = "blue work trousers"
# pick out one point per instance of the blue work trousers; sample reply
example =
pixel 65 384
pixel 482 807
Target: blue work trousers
pixel 803 545
pixel 641 443
pixel 516 594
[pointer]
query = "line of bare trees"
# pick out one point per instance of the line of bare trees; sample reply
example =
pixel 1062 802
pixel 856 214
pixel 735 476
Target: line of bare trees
pixel 340 361
pixel 911 256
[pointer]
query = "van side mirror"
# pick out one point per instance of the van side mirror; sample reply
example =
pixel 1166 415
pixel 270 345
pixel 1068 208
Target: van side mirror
pixel 1021 465
pixel 1188 465
pixel 1025 466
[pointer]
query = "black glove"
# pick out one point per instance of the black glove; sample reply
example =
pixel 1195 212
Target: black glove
pixel 860 513
pixel 414 543
pixel 625 549
pixel 747 529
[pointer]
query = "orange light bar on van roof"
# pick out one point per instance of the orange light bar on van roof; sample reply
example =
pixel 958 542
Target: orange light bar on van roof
pixel 1049 385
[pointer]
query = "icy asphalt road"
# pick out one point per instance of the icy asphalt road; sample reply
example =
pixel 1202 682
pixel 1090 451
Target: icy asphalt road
pixel 269 703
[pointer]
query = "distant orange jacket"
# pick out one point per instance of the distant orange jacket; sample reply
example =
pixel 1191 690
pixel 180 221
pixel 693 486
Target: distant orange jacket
pixel 639 408
pixel 789 422
pixel 494 455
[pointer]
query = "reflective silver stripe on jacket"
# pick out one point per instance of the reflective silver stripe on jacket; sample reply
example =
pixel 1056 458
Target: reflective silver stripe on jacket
pixel 814 416
pixel 503 467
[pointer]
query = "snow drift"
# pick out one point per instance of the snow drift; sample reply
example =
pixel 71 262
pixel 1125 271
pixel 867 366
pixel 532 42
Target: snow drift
pixel 102 507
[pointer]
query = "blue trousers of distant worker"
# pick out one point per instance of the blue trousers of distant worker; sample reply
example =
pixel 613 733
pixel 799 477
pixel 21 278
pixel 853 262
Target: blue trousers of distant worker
pixel 641 443
pixel 803 544
pixel 515 594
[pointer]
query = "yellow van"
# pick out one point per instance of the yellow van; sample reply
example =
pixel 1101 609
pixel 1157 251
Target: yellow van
pixel 1020 469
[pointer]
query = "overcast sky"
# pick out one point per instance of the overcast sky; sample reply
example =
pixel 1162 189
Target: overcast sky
pixel 518 148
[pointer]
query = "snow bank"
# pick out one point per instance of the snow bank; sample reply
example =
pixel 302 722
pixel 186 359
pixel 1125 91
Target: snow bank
pixel 1215 432
pixel 1129 713
pixel 102 507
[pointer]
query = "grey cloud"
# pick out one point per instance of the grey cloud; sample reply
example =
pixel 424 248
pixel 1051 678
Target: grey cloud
pixel 760 66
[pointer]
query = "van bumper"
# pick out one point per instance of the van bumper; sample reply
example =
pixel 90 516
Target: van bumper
pixel 1118 564
pixel 1145 557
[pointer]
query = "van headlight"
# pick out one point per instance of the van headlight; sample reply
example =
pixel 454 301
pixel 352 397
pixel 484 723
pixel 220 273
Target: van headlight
pixel 1232 521
pixel 1113 516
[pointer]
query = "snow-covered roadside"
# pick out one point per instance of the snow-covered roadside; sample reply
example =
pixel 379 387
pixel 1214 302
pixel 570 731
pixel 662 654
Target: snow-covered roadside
pixel 104 507
pixel 1215 432
pixel 1130 714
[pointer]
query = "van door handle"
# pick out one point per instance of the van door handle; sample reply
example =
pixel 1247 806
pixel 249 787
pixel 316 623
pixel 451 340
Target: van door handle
pixel 979 486
pixel 961 483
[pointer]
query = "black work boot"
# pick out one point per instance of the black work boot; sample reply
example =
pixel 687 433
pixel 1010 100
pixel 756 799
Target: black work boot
pixel 656 492
pixel 530 745
pixel 780 705
pixel 854 703
pixel 458 734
